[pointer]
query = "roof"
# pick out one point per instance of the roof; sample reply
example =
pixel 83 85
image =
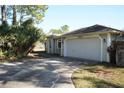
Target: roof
pixel 90 29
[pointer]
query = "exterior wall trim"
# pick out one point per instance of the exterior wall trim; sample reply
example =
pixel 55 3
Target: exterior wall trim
pixel 101 39
pixel 65 48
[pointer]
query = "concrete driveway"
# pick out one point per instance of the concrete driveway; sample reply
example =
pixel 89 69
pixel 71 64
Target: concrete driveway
pixel 52 72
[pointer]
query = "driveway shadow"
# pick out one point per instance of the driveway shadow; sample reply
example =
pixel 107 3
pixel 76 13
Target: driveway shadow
pixel 37 73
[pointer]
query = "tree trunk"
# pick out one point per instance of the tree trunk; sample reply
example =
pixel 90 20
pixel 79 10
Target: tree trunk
pixel 14 15
pixel 3 14
pixel 21 17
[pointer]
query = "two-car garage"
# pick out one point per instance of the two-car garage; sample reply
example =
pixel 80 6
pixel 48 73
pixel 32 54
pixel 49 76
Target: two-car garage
pixel 87 48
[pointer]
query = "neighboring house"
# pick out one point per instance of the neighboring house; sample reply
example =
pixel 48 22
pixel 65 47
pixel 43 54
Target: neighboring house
pixel 90 43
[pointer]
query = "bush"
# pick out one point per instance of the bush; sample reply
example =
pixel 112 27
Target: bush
pixel 16 40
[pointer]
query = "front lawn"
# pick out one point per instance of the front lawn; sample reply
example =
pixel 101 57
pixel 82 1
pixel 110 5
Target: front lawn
pixel 99 76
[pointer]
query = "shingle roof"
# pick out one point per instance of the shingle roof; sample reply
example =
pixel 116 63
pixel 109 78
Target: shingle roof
pixel 94 28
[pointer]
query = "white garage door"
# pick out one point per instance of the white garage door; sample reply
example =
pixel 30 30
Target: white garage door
pixel 88 48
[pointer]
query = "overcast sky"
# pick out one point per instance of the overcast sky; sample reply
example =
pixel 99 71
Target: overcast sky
pixel 77 16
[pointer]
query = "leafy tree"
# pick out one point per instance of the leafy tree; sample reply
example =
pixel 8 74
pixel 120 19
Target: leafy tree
pixel 55 31
pixel 62 30
pixel 21 13
pixel 65 28
pixel 36 12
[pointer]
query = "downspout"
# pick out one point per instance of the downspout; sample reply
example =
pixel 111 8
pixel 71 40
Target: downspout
pixel 108 45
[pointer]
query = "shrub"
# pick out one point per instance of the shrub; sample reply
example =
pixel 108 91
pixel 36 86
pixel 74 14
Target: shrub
pixel 16 40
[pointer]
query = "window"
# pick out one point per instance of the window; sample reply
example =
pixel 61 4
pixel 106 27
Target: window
pixel 59 44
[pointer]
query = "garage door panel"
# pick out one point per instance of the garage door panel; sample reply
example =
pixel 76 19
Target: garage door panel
pixel 88 48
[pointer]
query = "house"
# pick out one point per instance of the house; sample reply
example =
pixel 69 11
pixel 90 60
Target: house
pixel 90 43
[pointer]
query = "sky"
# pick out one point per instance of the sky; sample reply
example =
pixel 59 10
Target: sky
pixel 79 16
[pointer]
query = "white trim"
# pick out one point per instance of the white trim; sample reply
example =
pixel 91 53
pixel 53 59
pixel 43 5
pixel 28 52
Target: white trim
pixel 108 44
pixel 81 37
pixel 65 48
pixel 61 47
pixel 48 46
pixel 101 47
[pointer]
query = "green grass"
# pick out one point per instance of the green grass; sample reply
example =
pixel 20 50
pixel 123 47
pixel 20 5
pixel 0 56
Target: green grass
pixel 99 76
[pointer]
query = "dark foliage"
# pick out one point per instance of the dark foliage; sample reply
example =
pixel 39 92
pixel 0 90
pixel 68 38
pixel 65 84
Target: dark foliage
pixel 15 41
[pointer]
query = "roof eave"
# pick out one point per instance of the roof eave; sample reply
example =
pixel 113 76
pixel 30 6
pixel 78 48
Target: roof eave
pixel 91 33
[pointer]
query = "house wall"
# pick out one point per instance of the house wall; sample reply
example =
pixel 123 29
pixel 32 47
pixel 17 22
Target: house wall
pixel 51 46
pixel 102 42
pixel 104 50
